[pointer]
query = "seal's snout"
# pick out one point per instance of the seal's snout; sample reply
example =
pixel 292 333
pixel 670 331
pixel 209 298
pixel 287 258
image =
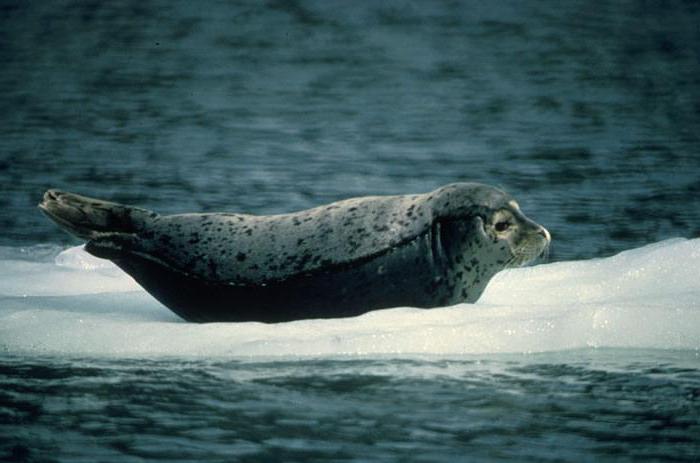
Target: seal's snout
pixel 545 234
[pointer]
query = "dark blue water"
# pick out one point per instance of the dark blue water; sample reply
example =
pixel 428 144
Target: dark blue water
pixel 587 112
pixel 574 406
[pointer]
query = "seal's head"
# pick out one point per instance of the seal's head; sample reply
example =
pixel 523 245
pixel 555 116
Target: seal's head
pixel 498 220
pixel 526 239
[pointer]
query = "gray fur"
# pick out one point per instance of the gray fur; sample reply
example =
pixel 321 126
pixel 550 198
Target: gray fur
pixel 255 249
pixel 341 259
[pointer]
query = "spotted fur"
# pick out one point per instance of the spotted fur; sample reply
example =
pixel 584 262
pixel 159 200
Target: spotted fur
pixel 340 259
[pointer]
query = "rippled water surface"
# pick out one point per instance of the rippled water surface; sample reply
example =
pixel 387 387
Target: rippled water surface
pixel 572 406
pixel 587 112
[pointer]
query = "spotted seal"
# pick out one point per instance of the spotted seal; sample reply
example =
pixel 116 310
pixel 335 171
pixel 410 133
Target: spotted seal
pixel 338 260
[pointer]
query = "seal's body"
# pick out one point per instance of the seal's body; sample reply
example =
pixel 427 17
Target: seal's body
pixel 338 260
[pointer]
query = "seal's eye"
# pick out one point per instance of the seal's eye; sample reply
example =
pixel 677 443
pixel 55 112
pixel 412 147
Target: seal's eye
pixel 502 226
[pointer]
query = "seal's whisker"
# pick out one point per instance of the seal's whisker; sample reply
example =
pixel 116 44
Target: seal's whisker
pixel 545 253
pixel 513 262
pixel 527 254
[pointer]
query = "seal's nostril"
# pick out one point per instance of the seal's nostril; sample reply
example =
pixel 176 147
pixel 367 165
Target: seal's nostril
pixel 543 231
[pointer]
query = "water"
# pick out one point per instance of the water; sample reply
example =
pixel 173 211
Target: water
pixel 587 113
pixel 579 405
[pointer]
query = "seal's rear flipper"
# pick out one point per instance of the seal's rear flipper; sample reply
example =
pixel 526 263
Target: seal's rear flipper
pixel 90 218
pixel 113 247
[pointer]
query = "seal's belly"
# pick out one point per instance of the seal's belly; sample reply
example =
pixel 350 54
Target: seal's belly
pixel 408 275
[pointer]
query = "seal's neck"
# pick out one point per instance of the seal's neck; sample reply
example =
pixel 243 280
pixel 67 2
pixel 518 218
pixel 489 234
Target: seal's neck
pixel 471 258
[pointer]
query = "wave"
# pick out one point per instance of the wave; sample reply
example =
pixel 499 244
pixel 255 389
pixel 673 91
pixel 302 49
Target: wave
pixel 71 303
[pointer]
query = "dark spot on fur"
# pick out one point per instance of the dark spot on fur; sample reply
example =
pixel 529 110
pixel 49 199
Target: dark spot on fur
pixel 240 257
pixel 212 266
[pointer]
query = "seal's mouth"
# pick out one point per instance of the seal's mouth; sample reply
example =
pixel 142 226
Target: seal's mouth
pixel 528 250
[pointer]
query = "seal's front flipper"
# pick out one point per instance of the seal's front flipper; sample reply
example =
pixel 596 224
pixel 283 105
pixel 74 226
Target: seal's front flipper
pixel 89 218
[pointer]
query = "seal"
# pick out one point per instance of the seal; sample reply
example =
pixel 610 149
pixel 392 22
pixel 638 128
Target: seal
pixel 337 260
